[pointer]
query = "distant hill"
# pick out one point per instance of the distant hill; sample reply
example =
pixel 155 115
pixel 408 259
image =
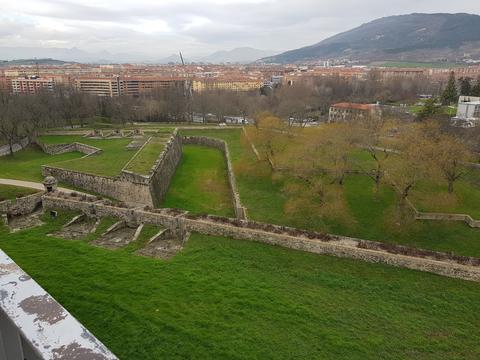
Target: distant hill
pixel 414 37
pixel 238 55
pixel 33 62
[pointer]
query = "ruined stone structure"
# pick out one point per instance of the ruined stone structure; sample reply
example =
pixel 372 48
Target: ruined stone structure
pixel 21 206
pixel 180 224
pixel 56 149
pixel 128 187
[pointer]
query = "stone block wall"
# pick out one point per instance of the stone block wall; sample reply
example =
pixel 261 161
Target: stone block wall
pixel 56 149
pixel 21 206
pixel 164 168
pixel 23 143
pixel 118 188
pixel 240 210
pixel 129 187
pixel 323 244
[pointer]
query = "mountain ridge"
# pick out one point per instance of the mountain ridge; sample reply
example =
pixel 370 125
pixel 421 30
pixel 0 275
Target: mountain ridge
pixel 413 37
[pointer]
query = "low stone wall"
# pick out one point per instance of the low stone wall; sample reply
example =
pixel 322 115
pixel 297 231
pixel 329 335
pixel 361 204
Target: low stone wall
pixel 120 188
pixel 240 210
pixel 21 206
pixel 5 149
pixel 56 149
pixel 280 236
pixel 448 217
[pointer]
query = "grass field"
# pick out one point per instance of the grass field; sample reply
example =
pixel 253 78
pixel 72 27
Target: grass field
pixel 435 197
pixel 26 164
pixel 109 163
pixel 364 216
pixel 145 159
pixel 200 183
pixel 229 299
pixel 445 110
pixel 9 192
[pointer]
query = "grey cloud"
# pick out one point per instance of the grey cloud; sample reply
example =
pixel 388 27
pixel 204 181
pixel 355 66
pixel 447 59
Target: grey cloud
pixel 274 24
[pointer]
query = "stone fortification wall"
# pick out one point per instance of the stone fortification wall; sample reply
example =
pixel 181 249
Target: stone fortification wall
pixel 120 188
pixel 56 149
pixel 434 262
pixel 129 187
pixel 21 206
pixel 164 168
pixel 240 210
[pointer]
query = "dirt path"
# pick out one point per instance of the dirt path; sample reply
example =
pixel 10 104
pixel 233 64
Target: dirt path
pixel 31 185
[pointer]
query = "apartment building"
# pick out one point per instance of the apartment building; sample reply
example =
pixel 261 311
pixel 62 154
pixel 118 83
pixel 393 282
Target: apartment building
pixel 233 84
pixel 104 87
pixel 118 85
pixel 468 112
pixel 344 112
pixel 31 84
pixel 136 86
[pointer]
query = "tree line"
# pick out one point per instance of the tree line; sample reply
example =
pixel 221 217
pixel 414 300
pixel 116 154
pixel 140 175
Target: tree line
pixel 387 151
pixel 310 99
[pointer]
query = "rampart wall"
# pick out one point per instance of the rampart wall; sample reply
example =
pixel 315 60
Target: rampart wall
pixel 429 261
pixel 21 206
pixel 129 187
pixel 164 168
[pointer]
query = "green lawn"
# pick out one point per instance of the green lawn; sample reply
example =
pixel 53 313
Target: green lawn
pixel 227 299
pixel 145 159
pixel 26 164
pixel 444 110
pixel 108 163
pixel 9 192
pixel 200 183
pixel 465 199
pixel 364 216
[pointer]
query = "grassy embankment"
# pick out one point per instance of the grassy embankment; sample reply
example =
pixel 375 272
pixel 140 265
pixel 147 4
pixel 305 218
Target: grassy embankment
pixel 109 163
pixel 200 183
pixel 363 215
pixel 228 299
pixel 10 192
pixel 147 156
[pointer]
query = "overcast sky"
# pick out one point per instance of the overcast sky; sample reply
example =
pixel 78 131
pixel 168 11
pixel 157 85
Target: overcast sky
pixel 160 28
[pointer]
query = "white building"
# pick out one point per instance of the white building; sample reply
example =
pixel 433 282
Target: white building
pixel 468 112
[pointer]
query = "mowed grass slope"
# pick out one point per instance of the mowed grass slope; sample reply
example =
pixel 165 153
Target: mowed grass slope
pixel 27 164
pixel 364 215
pixel 227 299
pixel 109 163
pixel 143 161
pixel 200 183
pixel 9 192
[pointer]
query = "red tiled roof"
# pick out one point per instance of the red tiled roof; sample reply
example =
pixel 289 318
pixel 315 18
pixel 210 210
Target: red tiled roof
pixel 354 106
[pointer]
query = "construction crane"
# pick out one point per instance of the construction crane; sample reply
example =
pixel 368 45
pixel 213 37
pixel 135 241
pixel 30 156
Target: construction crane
pixel 181 58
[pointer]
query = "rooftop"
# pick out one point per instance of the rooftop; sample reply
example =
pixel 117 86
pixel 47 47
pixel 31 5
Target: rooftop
pixel 355 106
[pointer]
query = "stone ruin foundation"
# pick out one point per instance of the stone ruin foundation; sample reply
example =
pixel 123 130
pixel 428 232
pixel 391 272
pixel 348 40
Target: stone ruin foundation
pixel 164 245
pixel 116 238
pixel 24 222
pixel 78 230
